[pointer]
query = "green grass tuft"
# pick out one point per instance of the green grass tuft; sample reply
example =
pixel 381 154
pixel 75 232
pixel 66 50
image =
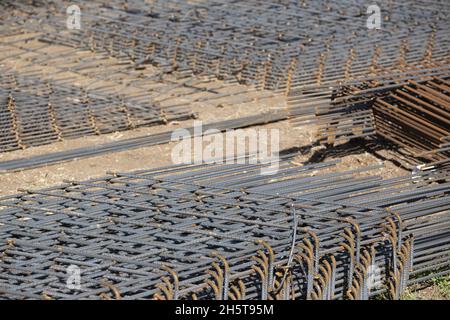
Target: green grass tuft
pixel 443 285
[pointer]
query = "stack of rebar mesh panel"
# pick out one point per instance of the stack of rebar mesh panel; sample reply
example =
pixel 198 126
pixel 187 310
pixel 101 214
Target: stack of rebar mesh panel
pixel 58 93
pixel 272 44
pixel 225 231
pixel 345 112
pixel 50 94
pixel 38 111
pixel 416 117
pixel 407 106
pixel 270 49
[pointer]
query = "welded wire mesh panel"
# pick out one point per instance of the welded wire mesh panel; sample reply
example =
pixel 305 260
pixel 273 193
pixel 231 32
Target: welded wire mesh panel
pixel 417 117
pixel 225 232
pixel 272 44
pixel 38 111
pixel 410 109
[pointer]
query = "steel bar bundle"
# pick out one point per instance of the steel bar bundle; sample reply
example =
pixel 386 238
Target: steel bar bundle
pixel 417 118
pixel 36 112
pixel 81 93
pixel 409 108
pixel 138 142
pixel 77 96
pixel 272 44
pixel 224 231
pixel 345 112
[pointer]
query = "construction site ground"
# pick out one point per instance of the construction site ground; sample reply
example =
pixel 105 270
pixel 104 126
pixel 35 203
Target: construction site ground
pixel 292 140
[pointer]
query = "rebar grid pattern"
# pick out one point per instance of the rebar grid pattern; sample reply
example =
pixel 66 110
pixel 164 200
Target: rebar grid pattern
pixel 417 118
pixel 408 108
pixel 274 45
pixel 59 93
pixel 226 232
pixel 37 112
